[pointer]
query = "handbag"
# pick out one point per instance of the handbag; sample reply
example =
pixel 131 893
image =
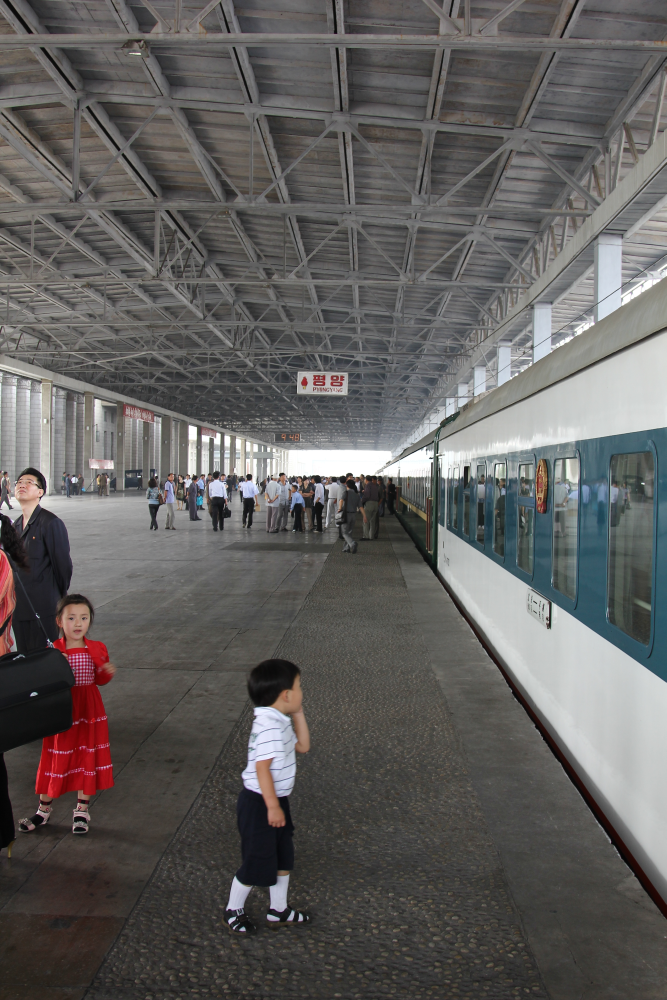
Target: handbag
pixel 257 507
pixel 200 501
pixel 160 498
pixel 226 511
pixel 35 692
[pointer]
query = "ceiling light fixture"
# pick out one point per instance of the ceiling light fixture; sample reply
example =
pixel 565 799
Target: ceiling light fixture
pixel 139 48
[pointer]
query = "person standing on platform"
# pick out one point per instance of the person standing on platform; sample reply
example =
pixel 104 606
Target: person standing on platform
pixel 5 490
pixel 46 543
pixel 307 492
pixel 68 485
pixel 318 503
pixel 180 493
pixel 391 495
pixel 332 502
pixel 370 502
pixel 169 497
pixel 153 497
pixel 192 500
pixel 349 502
pixel 249 491
pixel 11 546
pixel 272 497
pixel 217 492
pixel 297 507
pixel 284 503
pixel 80 484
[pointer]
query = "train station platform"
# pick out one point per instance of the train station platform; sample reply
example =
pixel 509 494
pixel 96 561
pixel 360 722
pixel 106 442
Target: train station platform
pixel 441 849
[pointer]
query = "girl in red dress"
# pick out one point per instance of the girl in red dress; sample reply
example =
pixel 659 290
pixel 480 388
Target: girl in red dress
pixel 78 759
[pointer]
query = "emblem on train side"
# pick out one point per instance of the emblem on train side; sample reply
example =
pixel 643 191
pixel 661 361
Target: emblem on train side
pixel 541 486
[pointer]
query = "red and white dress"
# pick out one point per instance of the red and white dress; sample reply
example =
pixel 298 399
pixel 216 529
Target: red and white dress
pixel 79 759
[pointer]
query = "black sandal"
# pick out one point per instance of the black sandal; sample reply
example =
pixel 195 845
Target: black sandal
pixel 238 923
pixel 287 918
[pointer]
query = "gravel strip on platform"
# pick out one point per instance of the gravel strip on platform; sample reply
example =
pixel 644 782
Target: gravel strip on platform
pixel 393 858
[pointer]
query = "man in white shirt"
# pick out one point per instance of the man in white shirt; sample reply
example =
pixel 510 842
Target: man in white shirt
pixel 217 492
pixel 249 491
pixel 283 503
pixel 272 496
pixel 332 502
pixel 169 502
pixel 318 503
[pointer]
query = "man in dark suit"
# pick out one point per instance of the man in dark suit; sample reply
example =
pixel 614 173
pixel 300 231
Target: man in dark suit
pixel 46 543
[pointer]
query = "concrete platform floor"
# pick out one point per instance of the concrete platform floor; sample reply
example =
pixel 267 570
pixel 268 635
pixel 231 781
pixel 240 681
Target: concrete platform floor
pixel 440 846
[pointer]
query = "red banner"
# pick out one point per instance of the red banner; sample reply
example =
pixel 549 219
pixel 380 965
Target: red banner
pixel 137 413
pixel 207 432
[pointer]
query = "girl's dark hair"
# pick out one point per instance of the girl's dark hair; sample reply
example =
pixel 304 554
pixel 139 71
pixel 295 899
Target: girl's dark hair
pixel 269 679
pixel 68 599
pixel 12 544
pixel 152 483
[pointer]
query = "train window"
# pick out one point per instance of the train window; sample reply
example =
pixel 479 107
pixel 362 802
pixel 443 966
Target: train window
pixel 481 497
pixel 526 518
pixel 566 519
pixel 499 492
pixel 630 567
pixel 455 498
pixel 466 501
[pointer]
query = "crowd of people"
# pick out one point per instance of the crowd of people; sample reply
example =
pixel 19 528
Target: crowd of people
pixel 310 503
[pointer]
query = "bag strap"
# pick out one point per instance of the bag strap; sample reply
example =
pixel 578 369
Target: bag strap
pixel 25 594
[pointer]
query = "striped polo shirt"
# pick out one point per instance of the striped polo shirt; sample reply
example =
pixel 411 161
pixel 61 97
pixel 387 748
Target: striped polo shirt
pixel 272 738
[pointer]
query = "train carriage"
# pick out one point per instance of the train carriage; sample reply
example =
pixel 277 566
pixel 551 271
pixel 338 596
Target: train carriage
pixel 545 518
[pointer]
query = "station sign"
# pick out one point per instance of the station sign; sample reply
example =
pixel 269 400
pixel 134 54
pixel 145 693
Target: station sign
pixel 286 438
pixel 321 383
pixel 101 463
pixel 137 413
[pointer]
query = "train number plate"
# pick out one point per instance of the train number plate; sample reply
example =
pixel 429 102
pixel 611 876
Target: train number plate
pixel 539 608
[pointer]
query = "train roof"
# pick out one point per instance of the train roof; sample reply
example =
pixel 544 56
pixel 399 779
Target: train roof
pixel 635 321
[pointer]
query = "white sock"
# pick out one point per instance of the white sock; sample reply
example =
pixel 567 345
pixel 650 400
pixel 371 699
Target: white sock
pixel 279 894
pixel 238 895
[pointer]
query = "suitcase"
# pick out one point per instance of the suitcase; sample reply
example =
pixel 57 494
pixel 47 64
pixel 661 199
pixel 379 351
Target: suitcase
pixel 35 696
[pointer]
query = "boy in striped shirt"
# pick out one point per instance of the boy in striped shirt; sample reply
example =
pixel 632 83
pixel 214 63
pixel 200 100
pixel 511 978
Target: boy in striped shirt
pixel 279 731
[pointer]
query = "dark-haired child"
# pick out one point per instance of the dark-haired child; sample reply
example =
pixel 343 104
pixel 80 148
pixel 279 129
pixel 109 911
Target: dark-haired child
pixel 279 731
pixel 79 759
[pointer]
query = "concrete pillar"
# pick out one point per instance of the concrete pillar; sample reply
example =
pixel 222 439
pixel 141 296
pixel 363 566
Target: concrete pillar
pixel 211 454
pixel 183 447
pixel 463 393
pixel 504 362
pixel 80 412
pixel 242 459
pixel 70 433
pixel 479 379
pixel 8 426
pixel 45 452
pixel 145 451
pixel 22 457
pixel 608 274
pixel 88 437
pixel 120 448
pixel 36 426
pixel 165 447
pixel 541 330
pixel 59 429
pixel 232 452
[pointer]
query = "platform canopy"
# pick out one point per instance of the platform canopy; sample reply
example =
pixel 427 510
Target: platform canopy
pixel 199 201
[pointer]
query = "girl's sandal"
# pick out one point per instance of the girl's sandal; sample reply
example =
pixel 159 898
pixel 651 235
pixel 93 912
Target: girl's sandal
pixel 80 820
pixel 287 918
pixel 41 818
pixel 238 923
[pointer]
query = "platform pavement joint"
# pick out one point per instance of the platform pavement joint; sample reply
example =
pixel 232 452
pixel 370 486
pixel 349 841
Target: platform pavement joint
pixel 394 858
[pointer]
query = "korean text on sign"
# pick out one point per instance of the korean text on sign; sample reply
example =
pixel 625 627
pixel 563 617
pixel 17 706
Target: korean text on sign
pixel 328 383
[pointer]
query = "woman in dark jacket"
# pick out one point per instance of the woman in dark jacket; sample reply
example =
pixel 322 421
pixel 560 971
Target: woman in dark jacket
pixel 192 501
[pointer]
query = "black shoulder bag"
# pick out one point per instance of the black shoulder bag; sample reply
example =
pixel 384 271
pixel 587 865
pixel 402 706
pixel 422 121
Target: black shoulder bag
pixel 35 691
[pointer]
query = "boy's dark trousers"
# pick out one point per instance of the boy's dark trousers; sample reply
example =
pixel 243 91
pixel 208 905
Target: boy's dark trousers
pixel 297 517
pixel 265 850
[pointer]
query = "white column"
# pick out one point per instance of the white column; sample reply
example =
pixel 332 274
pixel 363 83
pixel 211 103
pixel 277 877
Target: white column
pixel 59 428
pixel 22 424
pixel 541 330
pixel 479 379
pixel 45 451
pixel 36 428
pixel 463 393
pixel 608 274
pixel 504 362
pixel 70 435
pixel 9 425
pixel 80 416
